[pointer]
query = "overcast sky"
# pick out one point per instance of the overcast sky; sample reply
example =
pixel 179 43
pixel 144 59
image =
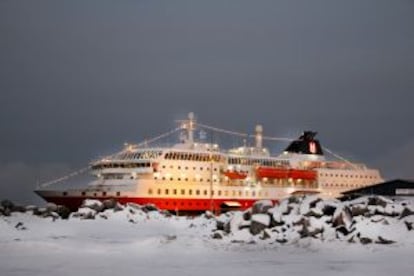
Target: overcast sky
pixel 79 78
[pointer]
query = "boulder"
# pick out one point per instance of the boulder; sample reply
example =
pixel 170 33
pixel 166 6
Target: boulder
pixel 342 217
pixel 217 235
pixel 93 204
pixel 313 213
pixel 265 235
pixel 109 203
pixel 381 240
pixel 261 206
pixel 359 210
pixel 149 208
pixel 406 212
pixel 7 204
pixel 30 208
pixel 223 226
pixel 85 213
pixel 328 210
pixel 409 225
pixel 51 207
pixel 378 201
pixel 365 240
pixel 247 215
pixel 208 215
pixel 259 222
pixel 63 211
pixel 133 205
pixel 18 208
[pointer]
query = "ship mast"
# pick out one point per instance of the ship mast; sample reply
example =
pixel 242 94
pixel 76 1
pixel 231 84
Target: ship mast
pixel 190 128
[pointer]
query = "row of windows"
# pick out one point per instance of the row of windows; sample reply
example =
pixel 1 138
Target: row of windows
pixel 122 165
pixel 263 162
pixel 138 155
pixel 193 156
pixel 206 192
pixel 343 185
pixel 96 194
pixel 187 168
pixel 348 176
pixel 184 179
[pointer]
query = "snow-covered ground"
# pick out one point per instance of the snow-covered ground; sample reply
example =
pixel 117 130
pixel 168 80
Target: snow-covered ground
pixel 130 241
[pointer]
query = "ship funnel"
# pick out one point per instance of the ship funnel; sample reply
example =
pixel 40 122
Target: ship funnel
pixel 305 144
pixel 259 136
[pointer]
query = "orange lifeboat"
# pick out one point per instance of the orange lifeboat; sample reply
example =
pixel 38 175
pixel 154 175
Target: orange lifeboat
pixel 272 172
pixel 302 174
pixel 235 174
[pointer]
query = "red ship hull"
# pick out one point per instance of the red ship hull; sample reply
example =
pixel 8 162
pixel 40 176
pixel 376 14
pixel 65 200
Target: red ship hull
pixel 170 204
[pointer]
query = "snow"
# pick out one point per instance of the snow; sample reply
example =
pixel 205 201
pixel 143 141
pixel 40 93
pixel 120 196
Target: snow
pixel 131 241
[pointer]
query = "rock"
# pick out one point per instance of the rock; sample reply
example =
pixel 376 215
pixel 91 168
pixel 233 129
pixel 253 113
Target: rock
pixel 288 211
pixel 166 213
pixel 93 204
pixel 342 216
pixel 223 226
pixel 85 213
pixel 409 225
pixel 365 240
pixel 247 215
pixel 312 213
pixel 381 240
pixel 275 223
pixel 359 211
pixel 378 201
pixel 7 204
pixel 406 212
pixel 351 239
pixel 133 205
pixel 313 203
pixel 302 222
pixel 20 226
pixel 51 207
pixel 343 230
pixel 208 215
pixel 265 235
pixel 63 211
pixel 293 199
pixel 217 236
pixel 18 208
pixel 261 206
pixel 30 208
pixel 259 222
pixel 282 241
pixel 109 203
pixel 328 210
pixel 149 208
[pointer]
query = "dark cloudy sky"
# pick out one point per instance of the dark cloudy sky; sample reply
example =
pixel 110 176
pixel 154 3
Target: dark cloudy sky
pixel 79 78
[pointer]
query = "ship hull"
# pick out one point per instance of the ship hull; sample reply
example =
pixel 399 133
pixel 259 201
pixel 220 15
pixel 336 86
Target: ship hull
pixel 171 204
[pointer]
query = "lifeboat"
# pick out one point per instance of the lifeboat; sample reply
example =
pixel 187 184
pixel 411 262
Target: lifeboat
pixel 235 174
pixel 302 174
pixel 272 172
pixel 279 173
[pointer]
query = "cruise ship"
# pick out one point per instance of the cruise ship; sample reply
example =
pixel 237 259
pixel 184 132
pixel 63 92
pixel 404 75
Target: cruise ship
pixel 194 176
